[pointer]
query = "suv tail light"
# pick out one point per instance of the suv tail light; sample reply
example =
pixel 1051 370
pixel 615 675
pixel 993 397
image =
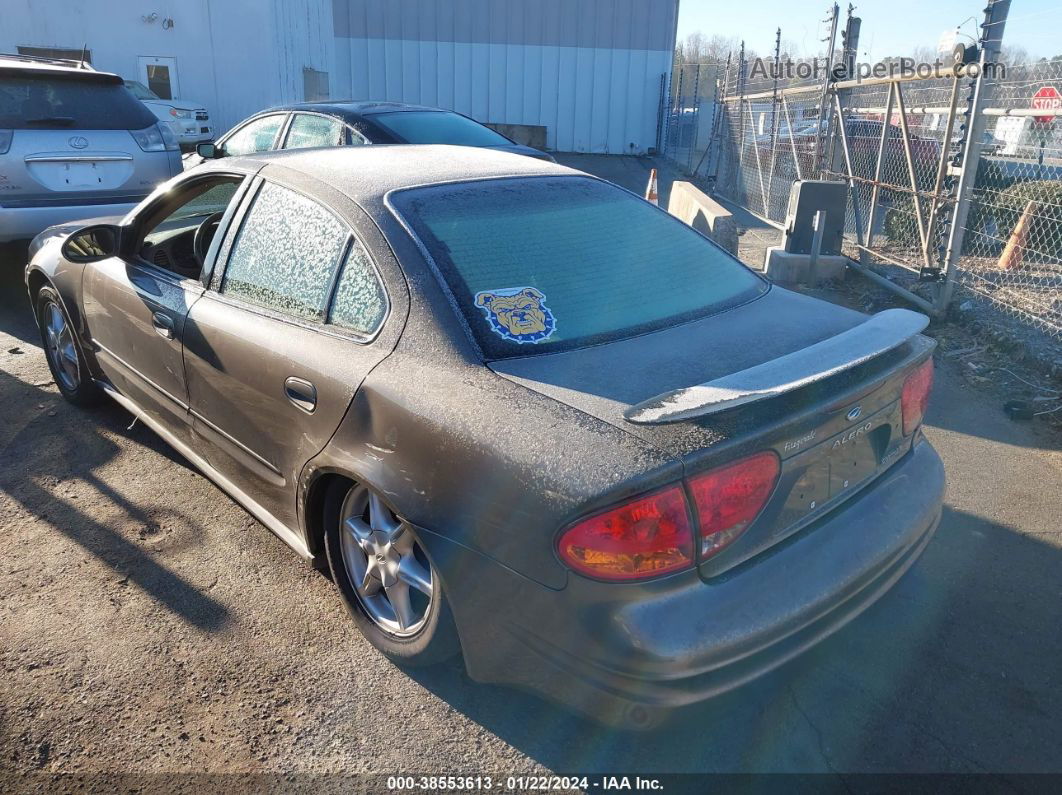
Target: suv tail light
pixel 729 498
pixel 645 537
pixel 156 138
pixel 915 396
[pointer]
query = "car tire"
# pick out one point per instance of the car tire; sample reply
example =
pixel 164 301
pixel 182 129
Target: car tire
pixel 433 638
pixel 62 349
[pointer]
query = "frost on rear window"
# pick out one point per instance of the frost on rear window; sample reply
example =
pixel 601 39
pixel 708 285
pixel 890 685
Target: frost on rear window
pixel 359 303
pixel 612 265
pixel 286 254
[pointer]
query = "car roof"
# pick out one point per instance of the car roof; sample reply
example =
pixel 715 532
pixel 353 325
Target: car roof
pixel 54 67
pixel 367 173
pixel 356 109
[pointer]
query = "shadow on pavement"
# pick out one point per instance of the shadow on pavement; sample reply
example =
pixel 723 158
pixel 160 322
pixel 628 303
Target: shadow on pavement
pixel 16 316
pixel 39 448
pixel 913 684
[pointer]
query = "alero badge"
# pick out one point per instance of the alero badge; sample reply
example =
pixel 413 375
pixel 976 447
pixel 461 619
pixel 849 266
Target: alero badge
pixel 518 314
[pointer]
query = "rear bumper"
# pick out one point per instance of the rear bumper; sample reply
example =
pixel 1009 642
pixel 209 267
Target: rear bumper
pixel 625 654
pixel 18 223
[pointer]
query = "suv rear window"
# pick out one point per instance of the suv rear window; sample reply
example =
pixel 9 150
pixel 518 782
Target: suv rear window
pixel 552 263
pixel 438 127
pixel 47 101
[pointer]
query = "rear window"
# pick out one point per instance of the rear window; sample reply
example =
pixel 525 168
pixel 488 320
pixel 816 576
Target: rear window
pixel 32 102
pixel 438 127
pixel 547 264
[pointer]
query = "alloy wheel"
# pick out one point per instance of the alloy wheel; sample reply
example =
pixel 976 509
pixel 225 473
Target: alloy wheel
pixel 388 570
pixel 59 345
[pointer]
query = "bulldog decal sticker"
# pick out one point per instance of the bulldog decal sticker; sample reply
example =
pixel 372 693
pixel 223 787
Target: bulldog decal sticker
pixel 518 314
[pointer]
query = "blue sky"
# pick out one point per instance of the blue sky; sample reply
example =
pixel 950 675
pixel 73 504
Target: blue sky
pixel 890 27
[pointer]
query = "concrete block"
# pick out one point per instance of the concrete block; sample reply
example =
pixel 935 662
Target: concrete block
pixel 784 267
pixel 708 217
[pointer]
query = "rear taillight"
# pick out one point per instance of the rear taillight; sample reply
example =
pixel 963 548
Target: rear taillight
pixel 645 537
pixel 915 396
pixel 729 498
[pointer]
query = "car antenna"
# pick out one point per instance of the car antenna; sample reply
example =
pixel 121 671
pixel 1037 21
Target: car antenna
pixel 84 52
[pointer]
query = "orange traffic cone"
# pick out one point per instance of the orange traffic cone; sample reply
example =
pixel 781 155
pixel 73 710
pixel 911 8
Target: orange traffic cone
pixel 1012 254
pixel 650 192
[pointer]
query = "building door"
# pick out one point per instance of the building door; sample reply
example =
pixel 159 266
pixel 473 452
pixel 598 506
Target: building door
pixel 160 75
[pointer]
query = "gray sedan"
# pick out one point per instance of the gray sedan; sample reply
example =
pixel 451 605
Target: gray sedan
pixel 514 410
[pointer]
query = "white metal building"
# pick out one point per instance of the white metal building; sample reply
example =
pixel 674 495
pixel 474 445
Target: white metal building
pixel 589 71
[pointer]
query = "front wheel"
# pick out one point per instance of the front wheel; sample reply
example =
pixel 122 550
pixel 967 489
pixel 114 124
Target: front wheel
pixel 63 351
pixel 387 582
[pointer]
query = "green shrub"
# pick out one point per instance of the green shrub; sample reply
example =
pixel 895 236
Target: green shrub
pixel 901 222
pixel 1045 232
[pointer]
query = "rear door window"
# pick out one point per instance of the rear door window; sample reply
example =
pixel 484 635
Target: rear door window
pixel 359 304
pixel 255 136
pixel 308 129
pixel 77 102
pixel 551 263
pixel 286 255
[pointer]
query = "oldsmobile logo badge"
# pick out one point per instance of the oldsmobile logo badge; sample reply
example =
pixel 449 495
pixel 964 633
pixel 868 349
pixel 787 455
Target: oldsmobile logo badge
pixel 853 415
pixel 78 141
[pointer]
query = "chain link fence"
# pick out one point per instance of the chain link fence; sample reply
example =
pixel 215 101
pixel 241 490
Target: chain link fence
pixel 895 143
pixel 690 115
pixel 1012 252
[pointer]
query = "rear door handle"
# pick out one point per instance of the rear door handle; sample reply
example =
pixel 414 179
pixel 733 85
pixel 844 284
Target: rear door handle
pixel 301 393
pixel 163 324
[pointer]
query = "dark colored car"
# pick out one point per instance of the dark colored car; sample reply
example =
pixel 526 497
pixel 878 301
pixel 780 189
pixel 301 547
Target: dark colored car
pixel 314 124
pixel 514 409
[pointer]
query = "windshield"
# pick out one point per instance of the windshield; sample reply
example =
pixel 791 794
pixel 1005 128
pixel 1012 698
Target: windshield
pixel 546 263
pixel 438 127
pixel 140 91
pixel 30 102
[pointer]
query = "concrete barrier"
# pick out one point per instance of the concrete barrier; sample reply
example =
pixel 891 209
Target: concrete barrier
pixel 786 268
pixel 708 217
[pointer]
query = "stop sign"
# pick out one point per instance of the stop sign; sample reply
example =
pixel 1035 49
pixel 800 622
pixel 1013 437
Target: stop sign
pixel 1047 98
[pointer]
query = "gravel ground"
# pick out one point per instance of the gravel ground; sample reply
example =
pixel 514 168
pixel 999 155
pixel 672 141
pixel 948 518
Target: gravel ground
pixel 149 625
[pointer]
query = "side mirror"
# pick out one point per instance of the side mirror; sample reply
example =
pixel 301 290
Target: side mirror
pixel 92 243
pixel 208 151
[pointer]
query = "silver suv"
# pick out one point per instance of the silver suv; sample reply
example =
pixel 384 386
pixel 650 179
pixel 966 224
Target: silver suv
pixel 74 143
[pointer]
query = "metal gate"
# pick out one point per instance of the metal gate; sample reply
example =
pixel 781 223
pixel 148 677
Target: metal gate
pixel 935 200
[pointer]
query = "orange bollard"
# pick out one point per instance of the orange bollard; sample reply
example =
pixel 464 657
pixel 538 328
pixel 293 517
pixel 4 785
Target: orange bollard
pixel 650 191
pixel 1012 254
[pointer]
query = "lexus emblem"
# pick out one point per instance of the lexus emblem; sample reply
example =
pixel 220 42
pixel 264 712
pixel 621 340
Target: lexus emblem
pixel 853 415
pixel 78 141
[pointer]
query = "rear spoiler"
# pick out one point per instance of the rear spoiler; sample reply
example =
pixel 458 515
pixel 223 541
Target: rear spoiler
pixel 877 335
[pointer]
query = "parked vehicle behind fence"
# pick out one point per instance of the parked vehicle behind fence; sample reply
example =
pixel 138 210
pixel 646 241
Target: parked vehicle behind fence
pixel 355 124
pixel 74 143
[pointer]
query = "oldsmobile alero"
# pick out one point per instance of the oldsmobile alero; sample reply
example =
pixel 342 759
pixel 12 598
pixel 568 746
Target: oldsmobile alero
pixel 514 410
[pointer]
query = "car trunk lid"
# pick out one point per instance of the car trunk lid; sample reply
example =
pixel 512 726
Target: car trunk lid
pixel 83 162
pixel 833 435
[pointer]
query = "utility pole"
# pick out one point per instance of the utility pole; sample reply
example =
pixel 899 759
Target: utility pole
pixel 742 70
pixel 774 110
pixel 831 41
pixel 968 155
